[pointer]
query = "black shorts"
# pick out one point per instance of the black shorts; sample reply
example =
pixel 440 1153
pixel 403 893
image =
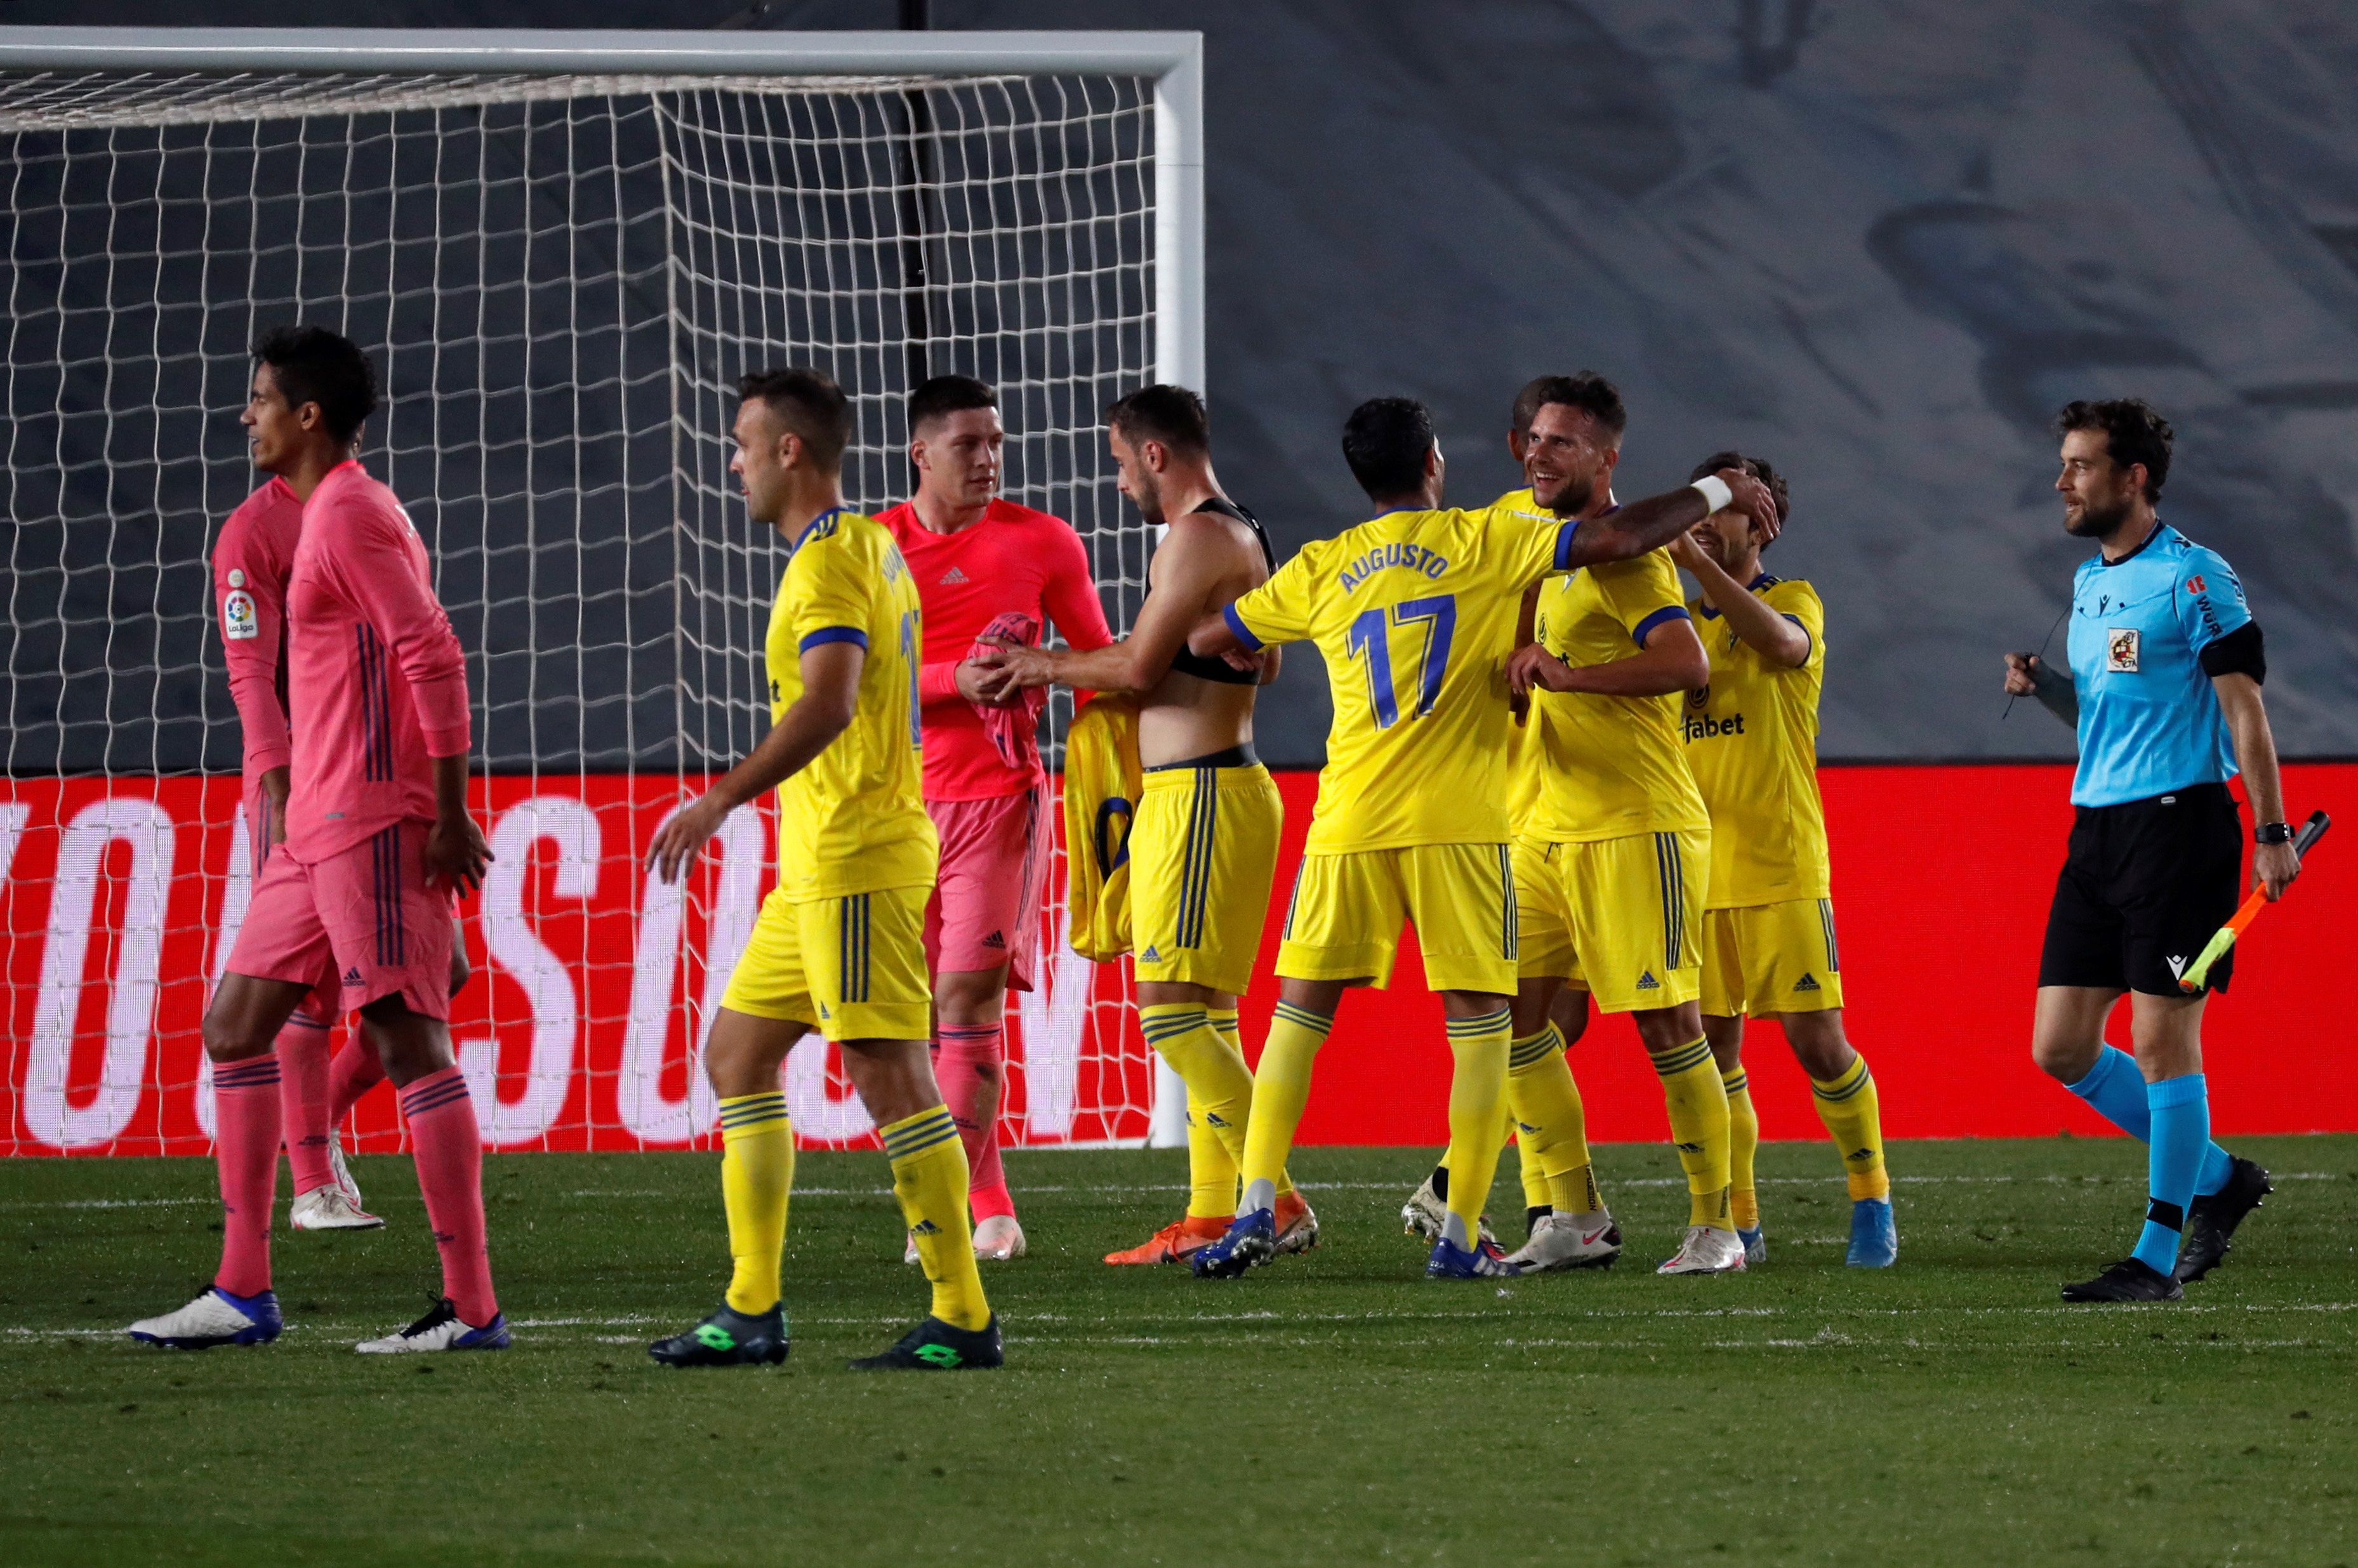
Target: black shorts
pixel 2144 887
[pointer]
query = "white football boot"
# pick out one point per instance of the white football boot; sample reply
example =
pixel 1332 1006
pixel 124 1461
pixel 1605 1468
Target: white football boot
pixel 1423 1212
pixel 350 1188
pixel 440 1329
pixel 1561 1240
pixel 214 1318
pixel 998 1239
pixel 1707 1250
pixel 327 1208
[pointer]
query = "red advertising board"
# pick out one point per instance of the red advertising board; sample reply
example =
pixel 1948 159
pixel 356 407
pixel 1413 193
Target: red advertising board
pixel 121 898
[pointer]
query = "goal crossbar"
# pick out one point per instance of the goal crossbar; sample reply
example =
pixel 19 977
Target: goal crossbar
pixel 1175 60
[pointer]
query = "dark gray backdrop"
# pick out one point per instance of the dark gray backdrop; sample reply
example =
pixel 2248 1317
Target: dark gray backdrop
pixel 1876 242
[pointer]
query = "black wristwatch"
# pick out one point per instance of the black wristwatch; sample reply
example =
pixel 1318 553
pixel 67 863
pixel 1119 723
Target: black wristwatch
pixel 2272 833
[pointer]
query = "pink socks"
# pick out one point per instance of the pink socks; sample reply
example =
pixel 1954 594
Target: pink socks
pixel 966 1065
pixel 449 1149
pixel 303 1119
pixel 245 1147
pixel 356 1071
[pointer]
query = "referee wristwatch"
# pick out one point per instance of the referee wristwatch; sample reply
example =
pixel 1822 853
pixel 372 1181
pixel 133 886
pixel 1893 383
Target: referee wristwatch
pixel 2272 833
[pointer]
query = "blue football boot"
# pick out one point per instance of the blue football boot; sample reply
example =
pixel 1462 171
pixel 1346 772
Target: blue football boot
pixel 1251 1239
pixel 1874 1237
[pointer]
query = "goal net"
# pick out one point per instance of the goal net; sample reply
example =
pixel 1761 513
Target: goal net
pixel 561 273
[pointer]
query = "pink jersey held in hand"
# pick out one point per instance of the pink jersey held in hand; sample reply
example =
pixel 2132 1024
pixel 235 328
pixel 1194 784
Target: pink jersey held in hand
pixel 252 561
pixel 375 678
pixel 1014 559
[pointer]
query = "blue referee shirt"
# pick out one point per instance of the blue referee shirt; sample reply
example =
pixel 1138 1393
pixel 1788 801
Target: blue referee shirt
pixel 2149 718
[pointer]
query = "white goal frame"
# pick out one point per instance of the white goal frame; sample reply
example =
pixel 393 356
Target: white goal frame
pixel 1174 60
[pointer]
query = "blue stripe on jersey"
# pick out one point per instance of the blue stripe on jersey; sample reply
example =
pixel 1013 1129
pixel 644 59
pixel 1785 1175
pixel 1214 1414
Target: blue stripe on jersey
pixel 1237 624
pixel 1666 614
pixel 1563 545
pixel 851 634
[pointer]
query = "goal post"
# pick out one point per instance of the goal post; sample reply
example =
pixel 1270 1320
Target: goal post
pixel 560 249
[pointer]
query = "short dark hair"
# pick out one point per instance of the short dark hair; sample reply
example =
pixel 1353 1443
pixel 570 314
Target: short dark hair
pixel 1385 441
pixel 811 406
pixel 2134 433
pixel 1170 415
pixel 1527 404
pixel 311 364
pixel 1588 392
pixel 1758 468
pixel 943 396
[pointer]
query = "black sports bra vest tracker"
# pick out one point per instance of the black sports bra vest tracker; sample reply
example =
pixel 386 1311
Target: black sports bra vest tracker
pixel 1188 663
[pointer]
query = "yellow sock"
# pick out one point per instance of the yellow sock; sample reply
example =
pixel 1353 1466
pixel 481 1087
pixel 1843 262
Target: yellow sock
pixel 929 1177
pixel 1280 1091
pixel 1211 1169
pixel 1552 1123
pixel 1697 1102
pixel 1224 1018
pixel 757 1172
pixel 1847 1104
pixel 1219 1098
pixel 1478 1094
pixel 1743 1141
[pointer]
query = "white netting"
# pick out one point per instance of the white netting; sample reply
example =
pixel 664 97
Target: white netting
pixel 560 278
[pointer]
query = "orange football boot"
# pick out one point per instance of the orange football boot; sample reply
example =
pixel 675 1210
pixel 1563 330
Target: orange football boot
pixel 1297 1227
pixel 1174 1243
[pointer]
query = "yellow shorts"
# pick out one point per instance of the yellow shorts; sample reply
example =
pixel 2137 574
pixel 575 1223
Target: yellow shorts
pixel 1202 853
pixel 1344 921
pixel 1621 916
pixel 1771 957
pixel 854 965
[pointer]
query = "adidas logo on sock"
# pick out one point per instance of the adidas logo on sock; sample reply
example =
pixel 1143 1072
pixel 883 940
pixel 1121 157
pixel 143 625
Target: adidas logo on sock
pixel 994 940
pixel 1213 1119
pixel 952 577
pixel 352 976
pixel 925 1227
pixel 1647 982
pixel 1807 983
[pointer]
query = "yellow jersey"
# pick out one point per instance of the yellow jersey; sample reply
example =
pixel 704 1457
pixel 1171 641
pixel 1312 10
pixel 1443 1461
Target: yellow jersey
pixel 1612 766
pixel 1752 740
pixel 1415 615
pixel 1525 764
pixel 1102 785
pixel 854 819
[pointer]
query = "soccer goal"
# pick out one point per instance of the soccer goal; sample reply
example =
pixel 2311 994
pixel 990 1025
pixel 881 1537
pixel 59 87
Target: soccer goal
pixel 562 250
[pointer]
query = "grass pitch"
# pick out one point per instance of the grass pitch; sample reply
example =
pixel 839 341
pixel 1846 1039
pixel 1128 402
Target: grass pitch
pixel 1337 1406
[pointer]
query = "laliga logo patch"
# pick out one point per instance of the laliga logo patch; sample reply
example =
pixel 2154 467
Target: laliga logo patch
pixel 2195 585
pixel 2121 650
pixel 239 622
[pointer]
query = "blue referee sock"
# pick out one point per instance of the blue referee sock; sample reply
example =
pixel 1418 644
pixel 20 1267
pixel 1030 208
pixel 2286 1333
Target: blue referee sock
pixel 2180 1111
pixel 2116 1090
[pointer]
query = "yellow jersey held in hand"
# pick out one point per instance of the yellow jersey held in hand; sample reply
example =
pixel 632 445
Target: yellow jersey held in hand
pixel 1612 765
pixel 1752 740
pixel 1415 615
pixel 854 819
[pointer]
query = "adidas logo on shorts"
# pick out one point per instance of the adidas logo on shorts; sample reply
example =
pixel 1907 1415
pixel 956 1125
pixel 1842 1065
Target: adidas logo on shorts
pixel 952 577
pixel 352 976
pixel 1150 956
pixel 994 940
pixel 1647 982
pixel 1807 983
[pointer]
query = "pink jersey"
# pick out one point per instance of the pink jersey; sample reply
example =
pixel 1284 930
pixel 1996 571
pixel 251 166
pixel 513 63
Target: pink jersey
pixel 252 561
pixel 375 678
pixel 1014 559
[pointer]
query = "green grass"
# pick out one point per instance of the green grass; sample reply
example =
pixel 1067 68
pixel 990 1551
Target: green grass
pixel 1334 1407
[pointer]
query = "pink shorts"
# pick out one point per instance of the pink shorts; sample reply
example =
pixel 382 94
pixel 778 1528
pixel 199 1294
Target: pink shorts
pixel 358 925
pixel 318 1009
pixel 985 910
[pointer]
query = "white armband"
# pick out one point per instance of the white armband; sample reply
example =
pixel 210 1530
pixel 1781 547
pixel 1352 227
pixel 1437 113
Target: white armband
pixel 1715 494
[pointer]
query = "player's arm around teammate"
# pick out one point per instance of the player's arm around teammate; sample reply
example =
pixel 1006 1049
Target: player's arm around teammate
pixel 1203 847
pixel 1768 933
pixel 2167 661
pixel 839 945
